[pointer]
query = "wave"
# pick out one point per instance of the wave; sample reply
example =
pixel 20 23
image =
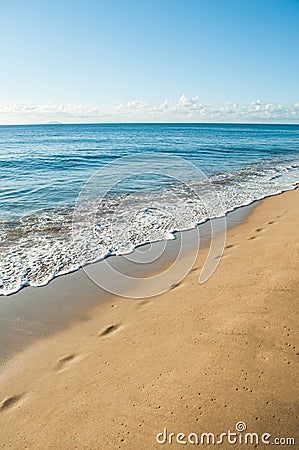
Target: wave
pixel 37 248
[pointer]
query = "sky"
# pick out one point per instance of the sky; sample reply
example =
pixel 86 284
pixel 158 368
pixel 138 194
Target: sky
pixel 149 61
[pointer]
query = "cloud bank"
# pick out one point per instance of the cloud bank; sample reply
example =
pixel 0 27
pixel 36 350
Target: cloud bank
pixel 185 109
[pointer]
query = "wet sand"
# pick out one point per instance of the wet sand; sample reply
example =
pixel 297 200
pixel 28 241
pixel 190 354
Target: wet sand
pixel 199 358
pixel 33 314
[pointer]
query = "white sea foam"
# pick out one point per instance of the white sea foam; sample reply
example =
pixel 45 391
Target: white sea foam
pixel 38 248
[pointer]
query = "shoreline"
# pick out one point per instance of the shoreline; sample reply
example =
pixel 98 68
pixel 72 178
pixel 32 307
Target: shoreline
pixel 35 313
pixel 197 358
pixel 174 233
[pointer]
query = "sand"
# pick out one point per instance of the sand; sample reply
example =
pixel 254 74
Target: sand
pixel 199 358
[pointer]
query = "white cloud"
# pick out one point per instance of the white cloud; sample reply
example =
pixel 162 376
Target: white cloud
pixel 185 109
pixel 185 102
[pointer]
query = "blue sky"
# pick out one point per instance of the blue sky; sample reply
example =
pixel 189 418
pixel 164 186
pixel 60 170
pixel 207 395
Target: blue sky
pixel 149 60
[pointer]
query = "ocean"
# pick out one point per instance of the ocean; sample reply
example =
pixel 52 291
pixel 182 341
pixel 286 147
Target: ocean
pixel 53 174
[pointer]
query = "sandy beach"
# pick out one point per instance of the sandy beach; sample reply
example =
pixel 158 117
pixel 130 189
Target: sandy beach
pixel 197 359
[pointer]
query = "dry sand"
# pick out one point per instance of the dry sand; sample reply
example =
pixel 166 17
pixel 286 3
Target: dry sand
pixel 197 359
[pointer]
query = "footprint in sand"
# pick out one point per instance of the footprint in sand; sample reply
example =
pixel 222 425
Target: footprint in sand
pixel 257 230
pixel 176 285
pixel 144 303
pixel 64 362
pixel 10 402
pixel 219 257
pixel 229 246
pixel 109 330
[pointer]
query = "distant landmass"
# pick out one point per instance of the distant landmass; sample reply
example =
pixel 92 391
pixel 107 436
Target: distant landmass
pixel 55 122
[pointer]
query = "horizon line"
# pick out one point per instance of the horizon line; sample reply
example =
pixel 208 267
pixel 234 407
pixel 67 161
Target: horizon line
pixel 147 123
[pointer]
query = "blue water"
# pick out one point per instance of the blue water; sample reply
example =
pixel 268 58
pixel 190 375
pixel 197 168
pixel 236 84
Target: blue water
pixel 44 168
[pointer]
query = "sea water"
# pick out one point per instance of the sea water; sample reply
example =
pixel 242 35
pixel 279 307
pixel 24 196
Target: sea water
pixel 45 167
